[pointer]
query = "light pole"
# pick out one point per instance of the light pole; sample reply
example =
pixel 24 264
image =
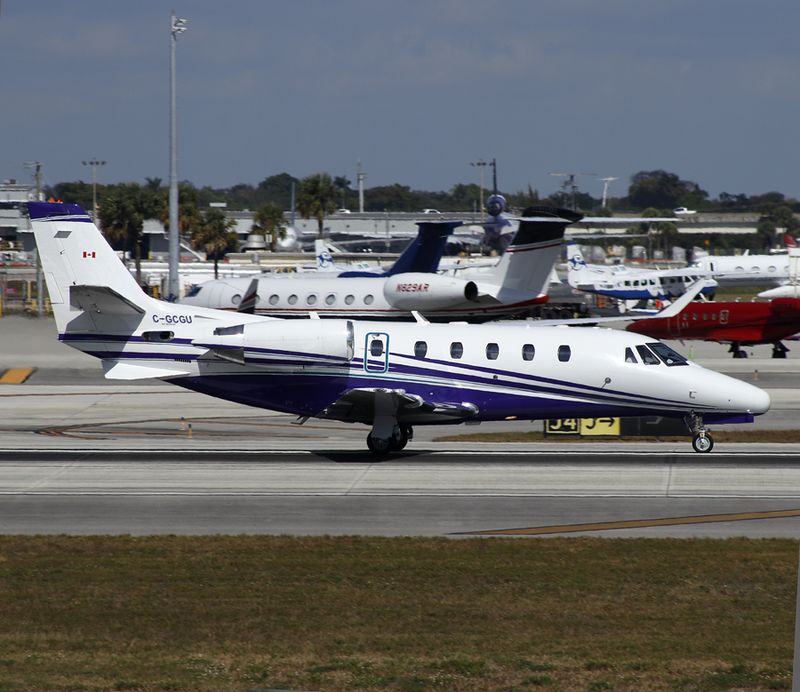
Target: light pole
pixel 94 163
pixel 480 164
pixel 176 26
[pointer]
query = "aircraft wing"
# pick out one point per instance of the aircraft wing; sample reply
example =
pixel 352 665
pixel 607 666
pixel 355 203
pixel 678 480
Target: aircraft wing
pixel 363 405
pixel 675 307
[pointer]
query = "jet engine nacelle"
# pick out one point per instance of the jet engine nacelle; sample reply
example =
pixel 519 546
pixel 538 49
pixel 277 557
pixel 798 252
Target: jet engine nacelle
pixel 420 291
pixel 285 342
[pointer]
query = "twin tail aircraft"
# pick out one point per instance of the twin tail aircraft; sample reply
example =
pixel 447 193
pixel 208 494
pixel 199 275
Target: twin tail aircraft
pixel 388 376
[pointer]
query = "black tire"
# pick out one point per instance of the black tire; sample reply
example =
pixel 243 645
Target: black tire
pixel 379 445
pixel 702 444
pixel 399 441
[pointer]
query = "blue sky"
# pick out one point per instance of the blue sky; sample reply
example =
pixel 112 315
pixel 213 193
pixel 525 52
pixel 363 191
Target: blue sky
pixel 415 89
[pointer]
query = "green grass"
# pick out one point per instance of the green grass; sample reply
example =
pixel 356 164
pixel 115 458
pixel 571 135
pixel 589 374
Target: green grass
pixel 783 436
pixel 207 613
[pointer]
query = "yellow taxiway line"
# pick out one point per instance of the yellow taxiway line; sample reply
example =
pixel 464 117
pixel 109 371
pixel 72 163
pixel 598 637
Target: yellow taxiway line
pixel 16 375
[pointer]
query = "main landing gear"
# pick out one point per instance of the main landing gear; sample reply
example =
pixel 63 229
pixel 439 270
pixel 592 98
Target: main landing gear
pixel 702 442
pixel 736 350
pixel 779 350
pixel 394 443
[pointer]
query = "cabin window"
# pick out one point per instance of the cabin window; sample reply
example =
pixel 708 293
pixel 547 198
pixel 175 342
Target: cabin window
pixel 705 316
pixel 158 336
pixel 330 299
pixel 292 299
pixel 368 299
pixel 456 349
pixel 694 316
pixel 628 283
pixel 311 299
pixel 647 356
pixel 420 349
pixel 564 353
pixel 629 357
pixel 668 355
pixel 273 299
pixel 376 348
pixel 236 298
pixel 740 269
pixel 528 351
pixel 652 282
pixel 492 351
pixel 349 299
pixel 772 268
pixel 713 316
pixel 756 269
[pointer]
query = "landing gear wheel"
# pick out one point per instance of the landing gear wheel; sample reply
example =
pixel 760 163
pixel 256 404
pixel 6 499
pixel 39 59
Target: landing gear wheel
pixel 703 443
pixel 379 445
pixel 400 440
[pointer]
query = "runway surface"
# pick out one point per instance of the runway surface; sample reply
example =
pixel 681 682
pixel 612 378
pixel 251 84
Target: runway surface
pixel 82 455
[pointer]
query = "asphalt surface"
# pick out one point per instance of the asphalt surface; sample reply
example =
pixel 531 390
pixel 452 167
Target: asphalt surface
pixel 82 455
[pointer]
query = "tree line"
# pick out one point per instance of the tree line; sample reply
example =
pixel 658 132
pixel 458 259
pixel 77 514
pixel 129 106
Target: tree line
pixel 123 207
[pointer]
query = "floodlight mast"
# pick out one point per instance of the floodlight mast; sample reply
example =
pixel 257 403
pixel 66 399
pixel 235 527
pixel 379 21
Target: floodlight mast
pixel 606 182
pixel 176 26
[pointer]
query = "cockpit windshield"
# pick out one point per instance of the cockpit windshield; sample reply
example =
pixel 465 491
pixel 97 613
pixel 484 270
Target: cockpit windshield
pixel 193 291
pixel 669 356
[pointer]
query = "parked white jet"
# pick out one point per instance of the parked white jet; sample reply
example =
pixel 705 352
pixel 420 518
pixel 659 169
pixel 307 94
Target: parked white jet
pixel 517 282
pixel 626 284
pixel 390 376
pixel 748 268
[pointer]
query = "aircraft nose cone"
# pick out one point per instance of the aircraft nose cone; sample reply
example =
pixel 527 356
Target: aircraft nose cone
pixel 757 401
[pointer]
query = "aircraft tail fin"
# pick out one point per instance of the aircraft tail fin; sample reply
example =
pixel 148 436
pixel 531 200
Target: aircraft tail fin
pixel 527 263
pixel 249 299
pixel 577 269
pixel 324 257
pixel 82 271
pixel 425 251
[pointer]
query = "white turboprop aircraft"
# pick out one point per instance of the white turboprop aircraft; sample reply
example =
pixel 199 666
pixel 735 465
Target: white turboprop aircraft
pixel 517 282
pixel 390 376
pixel 627 284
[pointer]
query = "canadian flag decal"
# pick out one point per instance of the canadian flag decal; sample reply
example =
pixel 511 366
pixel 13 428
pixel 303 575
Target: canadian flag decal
pixel 91 254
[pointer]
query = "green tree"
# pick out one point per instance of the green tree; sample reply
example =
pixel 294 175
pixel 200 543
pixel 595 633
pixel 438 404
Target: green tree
pixel 317 198
pixel 342 185
pixel 269 219
pixel 215 237
pixel 122 215
pixel 665 190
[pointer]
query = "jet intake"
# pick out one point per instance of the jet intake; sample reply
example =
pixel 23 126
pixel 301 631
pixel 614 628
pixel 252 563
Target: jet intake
pixel 419 291
pixel 284 342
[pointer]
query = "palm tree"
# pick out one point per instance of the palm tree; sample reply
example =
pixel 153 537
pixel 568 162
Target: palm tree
pixel 269 219
pixel 122 214
pixel 215 237
pixel 317 198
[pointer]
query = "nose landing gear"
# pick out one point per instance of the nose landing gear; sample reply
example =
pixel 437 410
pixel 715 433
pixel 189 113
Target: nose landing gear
pixel 702 442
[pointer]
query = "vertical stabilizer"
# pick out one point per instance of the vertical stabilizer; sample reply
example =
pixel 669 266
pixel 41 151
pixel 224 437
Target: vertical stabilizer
pixel 527 263
pixel 76 257
pixel 578 273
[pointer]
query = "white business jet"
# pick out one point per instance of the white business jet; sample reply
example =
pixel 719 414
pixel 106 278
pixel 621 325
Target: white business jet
pixel 515 284
pixel 389 376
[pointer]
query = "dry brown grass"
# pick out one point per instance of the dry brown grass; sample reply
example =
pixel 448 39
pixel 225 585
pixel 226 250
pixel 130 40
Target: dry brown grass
pixel 169 613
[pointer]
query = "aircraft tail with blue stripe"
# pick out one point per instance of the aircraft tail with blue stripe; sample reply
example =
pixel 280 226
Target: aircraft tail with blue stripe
pixel 422 255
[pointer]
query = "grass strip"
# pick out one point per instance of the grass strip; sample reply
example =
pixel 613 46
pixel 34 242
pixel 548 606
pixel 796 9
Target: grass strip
pixel 247 612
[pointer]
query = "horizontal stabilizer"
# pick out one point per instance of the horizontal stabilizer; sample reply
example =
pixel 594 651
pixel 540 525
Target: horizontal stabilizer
pixel 128 371
pixel 103 300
